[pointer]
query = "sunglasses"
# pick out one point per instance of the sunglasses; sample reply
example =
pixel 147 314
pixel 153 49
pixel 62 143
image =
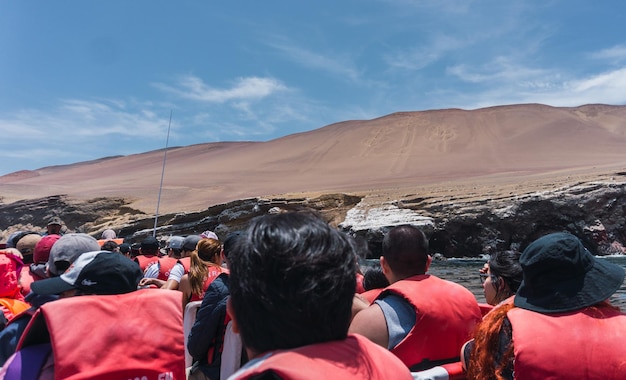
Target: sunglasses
pixel 484 276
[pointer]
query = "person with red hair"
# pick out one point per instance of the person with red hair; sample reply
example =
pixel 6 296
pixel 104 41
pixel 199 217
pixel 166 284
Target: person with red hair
pixel 560 324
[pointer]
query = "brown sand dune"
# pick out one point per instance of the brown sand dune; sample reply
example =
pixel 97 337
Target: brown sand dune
pixel 502 146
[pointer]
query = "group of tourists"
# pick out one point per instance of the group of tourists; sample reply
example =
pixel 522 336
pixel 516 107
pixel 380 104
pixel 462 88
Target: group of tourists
pixel 285 299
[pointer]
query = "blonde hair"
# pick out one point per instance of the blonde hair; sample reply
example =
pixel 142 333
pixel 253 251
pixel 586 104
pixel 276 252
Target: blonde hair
pixel 207 253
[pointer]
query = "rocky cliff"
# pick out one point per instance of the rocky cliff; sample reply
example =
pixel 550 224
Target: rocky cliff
pixel 460 220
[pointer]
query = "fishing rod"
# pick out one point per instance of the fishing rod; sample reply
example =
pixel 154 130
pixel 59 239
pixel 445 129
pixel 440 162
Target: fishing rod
pixel 167 140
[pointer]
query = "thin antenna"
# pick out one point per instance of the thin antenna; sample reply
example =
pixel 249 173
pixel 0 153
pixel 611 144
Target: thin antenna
pixel 156 216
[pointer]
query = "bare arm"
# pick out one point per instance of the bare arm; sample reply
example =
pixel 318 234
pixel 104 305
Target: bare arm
pixel 151 281
pixel 370 323
pixel 359 303
pixel 170 284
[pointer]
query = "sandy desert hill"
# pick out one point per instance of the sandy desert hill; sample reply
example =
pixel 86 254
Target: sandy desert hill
pixel 497 147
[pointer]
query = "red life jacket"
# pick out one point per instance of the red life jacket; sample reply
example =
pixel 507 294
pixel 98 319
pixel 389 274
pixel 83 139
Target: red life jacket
pixel 372 294
pixel 584 344
pixel 144 260
pixel 217 343
pixel 352 358
pixel 165 266
pixel 26 278
pixel 359 283
pixel 452 371
pixel 213 272
pixel 446 315
pixel 186 263
pixel 112 336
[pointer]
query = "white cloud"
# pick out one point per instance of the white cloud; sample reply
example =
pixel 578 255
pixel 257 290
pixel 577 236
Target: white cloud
pixel 444 6
pixel 542 86
pixel 336 64
pixel 250 88
pixel 419 57
pixel 617 52
pixel 79 130
pixel 498 70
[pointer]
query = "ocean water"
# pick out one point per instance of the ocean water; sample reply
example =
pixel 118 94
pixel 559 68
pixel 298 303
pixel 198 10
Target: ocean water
pixel 465 272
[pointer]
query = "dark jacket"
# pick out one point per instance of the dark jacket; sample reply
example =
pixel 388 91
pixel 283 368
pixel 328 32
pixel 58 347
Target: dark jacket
pixel 11 334
pixel 209 325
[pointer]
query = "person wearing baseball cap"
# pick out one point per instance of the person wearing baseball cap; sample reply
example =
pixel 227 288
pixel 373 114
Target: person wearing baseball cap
pixel 102 316
pixel 161 268
pixel 59 252
pixel 54 226
pixel 26 245
pixel 67 249
pixel 180 269
pixel 41 255
pixel 98 272
pixel 149 252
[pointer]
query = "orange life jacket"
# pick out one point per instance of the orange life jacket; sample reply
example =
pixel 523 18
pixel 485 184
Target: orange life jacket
pixel 12 307
pixel 446 315
pixel 117 241
pixel 584 344
pixel 112 336
pixel 352 358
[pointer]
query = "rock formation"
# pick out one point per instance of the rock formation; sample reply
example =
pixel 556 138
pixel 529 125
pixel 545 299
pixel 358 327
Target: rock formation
pixel 459 223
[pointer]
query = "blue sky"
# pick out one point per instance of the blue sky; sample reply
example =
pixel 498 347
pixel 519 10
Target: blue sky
pixel 81 80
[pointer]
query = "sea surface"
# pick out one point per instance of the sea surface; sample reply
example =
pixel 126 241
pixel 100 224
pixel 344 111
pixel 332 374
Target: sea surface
pixel 465 272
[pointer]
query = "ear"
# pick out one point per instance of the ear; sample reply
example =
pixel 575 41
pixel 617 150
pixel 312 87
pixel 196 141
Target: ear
pixel 229 310
pixel 428 262
pixel 384 265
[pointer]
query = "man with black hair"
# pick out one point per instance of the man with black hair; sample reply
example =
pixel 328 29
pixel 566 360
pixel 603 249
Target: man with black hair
pixel 292 282
pixel 149 252
pixel 421 318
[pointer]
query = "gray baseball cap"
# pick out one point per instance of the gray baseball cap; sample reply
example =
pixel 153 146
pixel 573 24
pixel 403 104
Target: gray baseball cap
pixel 68 248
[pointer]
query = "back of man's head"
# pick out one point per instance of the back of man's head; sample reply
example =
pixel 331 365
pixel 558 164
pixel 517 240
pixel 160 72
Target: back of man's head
pixel 292 280
pixel 405 249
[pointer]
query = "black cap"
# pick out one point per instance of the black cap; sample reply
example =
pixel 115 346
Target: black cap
pixel 190 242
pixel 124 247
pixel 150 243
pixel 98 272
